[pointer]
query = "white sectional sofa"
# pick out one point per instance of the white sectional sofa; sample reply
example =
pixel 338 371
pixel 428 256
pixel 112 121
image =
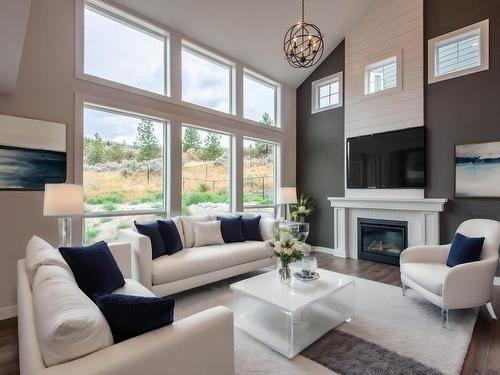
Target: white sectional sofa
pixel 184 347
pixel 195 266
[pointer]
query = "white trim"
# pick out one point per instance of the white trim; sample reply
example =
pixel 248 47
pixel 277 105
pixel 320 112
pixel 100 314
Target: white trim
pixel 379 59
pixel 483 26
pixel 425 204
pixel 8 312
pixel 328 250
pixel 315 86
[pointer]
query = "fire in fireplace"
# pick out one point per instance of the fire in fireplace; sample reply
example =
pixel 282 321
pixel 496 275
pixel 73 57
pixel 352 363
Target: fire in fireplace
pixel 381 240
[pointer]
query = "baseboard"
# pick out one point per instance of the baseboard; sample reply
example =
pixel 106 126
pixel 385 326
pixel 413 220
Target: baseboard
pixel 328 250
pixel 496 281
pixel 8 312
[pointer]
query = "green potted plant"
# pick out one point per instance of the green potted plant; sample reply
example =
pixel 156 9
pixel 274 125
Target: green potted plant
pixel 302 209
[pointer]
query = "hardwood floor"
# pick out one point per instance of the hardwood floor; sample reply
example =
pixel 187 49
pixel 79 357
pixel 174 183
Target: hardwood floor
pixel 483 356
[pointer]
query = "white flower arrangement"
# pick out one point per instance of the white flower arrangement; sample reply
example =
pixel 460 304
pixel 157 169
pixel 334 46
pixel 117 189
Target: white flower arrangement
pixel 286 247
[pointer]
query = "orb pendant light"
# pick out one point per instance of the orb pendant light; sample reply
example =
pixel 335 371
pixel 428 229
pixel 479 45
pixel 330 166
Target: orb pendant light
pixel 303 44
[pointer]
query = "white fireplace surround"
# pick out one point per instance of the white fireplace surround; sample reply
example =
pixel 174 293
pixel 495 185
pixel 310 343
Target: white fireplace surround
pixel 422 215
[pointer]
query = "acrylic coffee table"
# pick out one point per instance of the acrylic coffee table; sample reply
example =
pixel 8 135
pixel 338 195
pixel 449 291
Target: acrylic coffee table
pixel 289 319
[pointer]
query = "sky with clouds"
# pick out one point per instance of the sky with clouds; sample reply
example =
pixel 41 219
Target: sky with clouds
pixel 136 58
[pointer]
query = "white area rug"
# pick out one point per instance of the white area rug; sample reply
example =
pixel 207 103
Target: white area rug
pixel 409 326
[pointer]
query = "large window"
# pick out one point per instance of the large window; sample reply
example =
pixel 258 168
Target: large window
pixel 260 176
pixel 123 51
pixel 260 99
pixel 123 171
pixel 206 80
pixel 327 93
pixel 458 53
pixel 206 171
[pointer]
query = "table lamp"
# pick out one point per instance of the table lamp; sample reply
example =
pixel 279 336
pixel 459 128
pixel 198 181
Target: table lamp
pixel 287 196
pixel 63 200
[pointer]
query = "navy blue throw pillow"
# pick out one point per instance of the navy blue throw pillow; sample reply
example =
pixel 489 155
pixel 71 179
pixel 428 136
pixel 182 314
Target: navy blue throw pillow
pixel 230 227
pixel 170 236
pixel 130 316
pixel 250 226
pixel 152 230
pixel 94 267
pixel 464 250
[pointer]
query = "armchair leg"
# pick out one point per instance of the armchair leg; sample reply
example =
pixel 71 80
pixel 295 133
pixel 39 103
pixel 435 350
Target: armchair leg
pixel 444 317
pixel 489 306
pixel 403 289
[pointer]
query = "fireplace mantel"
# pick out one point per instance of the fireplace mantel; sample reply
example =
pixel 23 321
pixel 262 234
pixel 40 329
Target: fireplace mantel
pixel 424 204
pixel 422 215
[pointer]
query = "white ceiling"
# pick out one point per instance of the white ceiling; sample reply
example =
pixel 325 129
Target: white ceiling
pixel 252 30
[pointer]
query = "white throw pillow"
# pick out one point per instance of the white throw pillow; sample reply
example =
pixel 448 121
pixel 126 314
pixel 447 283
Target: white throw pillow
pixel 40 252
pixel 68 324
pixel 207 233
pixel 178 224
pixel 187 226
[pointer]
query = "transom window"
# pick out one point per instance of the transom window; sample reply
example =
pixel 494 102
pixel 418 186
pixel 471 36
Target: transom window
pixel 123 50
pixel 381 75
pixel 327 93
pixel 206 80
pixel 260 99
pixel 260 176
pixel 458 53
pixel 123 171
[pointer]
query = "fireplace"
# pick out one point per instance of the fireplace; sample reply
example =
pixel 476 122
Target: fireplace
pixel 381 240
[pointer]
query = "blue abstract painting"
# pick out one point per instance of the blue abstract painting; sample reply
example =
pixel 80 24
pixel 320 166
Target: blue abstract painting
pixel 477 170
pixel 32 153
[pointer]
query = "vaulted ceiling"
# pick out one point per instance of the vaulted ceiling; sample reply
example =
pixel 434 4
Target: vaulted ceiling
pixel 252 30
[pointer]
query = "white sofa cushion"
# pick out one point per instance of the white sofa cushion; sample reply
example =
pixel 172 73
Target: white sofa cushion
pixel 68 324
pixel 199 260
pixel 134 288
pixel 429 276
pixel 207 233
pixel 40 252
pixel 267 228
pixel 178 224
pixel 187 227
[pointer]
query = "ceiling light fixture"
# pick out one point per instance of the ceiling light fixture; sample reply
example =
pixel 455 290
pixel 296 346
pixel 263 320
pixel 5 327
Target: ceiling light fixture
pixel 303 44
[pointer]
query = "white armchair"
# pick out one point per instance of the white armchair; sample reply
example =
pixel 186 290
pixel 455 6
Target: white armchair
pixel 424 269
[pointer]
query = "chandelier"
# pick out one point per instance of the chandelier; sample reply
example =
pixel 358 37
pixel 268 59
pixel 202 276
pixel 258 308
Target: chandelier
pixel 303 44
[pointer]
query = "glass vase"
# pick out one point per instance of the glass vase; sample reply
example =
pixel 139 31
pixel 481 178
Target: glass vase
pixel 285 274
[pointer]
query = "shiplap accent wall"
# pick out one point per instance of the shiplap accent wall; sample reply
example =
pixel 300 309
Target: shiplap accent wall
pixel 394 26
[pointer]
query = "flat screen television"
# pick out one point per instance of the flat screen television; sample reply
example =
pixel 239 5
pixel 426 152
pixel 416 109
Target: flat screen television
pixel 392 160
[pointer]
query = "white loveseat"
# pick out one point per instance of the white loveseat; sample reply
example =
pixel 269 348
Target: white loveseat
pixel 184 347
pixel 195 266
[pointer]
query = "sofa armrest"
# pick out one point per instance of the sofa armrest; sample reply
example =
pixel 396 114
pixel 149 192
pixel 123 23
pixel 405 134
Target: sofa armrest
pixel 141 258
pixel 201 344
pixel 122 253
pixel 469 284
pixel 425 254
pixel 267 228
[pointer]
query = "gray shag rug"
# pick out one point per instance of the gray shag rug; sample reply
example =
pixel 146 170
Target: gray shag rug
pixel 390 334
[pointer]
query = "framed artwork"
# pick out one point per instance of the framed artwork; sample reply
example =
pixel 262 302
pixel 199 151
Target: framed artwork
pixel 477 170
pixel 32 153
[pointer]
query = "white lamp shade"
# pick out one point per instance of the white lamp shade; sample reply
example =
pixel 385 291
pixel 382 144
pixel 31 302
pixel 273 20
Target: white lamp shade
pixel 63 200
pixel 287 195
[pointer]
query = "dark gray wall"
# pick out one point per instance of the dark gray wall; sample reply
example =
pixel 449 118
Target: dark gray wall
pixel 460 110
pixel 320 151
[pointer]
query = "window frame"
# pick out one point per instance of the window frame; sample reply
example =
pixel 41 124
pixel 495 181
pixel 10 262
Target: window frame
pixel 232 161
pixel 315 90
pixel 276 173
pixel 213 58
pixel 277 96
pixel 379 62
pixel 133 22
pixel 457 35
pixel 166 166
